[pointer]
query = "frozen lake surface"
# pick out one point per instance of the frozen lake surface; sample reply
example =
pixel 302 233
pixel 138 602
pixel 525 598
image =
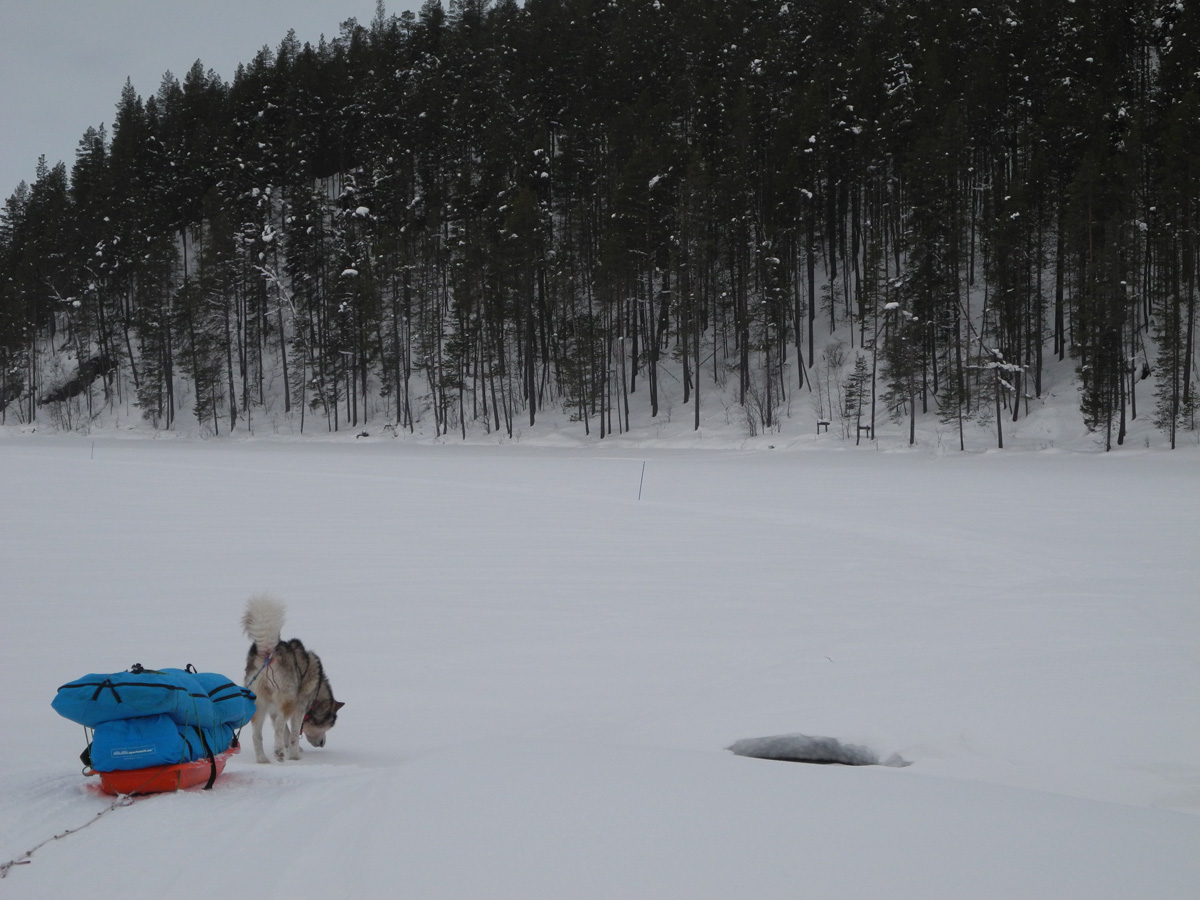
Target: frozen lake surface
pixel 542 672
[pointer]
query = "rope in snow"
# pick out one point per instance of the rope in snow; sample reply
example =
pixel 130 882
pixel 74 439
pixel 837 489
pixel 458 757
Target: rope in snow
pixel 27 857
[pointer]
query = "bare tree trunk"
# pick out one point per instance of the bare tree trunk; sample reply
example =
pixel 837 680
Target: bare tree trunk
pixel 999 417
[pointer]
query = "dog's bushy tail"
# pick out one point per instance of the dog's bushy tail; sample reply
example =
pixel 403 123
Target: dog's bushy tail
pixel 263 621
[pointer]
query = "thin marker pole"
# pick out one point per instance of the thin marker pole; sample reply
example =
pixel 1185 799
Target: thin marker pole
pixel 642 481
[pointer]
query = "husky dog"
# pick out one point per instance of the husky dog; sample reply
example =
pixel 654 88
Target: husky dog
pixel 289 681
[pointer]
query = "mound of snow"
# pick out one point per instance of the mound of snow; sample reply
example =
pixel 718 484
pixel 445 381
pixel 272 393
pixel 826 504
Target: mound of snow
pixel 805 749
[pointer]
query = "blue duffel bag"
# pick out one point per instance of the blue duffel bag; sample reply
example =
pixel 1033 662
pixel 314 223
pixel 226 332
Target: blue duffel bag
pixel 145 741
pixel 137 743
pixel 234 704
pixel 95 699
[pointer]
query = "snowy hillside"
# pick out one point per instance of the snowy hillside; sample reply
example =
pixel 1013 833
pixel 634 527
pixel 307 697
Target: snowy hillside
pixel 1046 422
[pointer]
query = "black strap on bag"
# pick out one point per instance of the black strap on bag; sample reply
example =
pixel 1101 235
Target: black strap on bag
pixel 106 683
pixel 208 753
pixel 210 756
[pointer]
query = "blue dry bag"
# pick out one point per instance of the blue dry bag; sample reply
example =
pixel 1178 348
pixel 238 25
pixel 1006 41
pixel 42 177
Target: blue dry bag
pixel 154 717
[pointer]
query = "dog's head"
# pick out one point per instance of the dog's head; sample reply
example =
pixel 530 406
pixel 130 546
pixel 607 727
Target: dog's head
pixel 321 716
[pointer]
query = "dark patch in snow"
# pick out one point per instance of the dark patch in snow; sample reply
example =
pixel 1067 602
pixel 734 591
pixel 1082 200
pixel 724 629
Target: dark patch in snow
pixel 823 751
pixel 89 371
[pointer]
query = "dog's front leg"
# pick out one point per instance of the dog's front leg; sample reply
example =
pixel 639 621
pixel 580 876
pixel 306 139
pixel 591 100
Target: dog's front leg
pixel 283 739
pixel 296 723
pixel 290 716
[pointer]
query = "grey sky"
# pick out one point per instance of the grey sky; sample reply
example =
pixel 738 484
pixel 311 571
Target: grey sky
pixel 63 62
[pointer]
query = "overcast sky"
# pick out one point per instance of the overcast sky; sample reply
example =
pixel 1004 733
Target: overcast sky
pixel 63 62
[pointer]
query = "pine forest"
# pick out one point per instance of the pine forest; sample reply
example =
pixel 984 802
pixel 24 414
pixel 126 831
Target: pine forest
pixel 476 213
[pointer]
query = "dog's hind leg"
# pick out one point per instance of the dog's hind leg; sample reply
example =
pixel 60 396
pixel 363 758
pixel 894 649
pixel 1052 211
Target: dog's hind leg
pixel 260 714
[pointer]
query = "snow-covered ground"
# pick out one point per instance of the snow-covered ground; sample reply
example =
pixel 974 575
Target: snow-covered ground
pixel 542 672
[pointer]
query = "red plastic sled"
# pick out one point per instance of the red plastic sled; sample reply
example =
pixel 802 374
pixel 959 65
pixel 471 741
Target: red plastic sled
pixel 161 779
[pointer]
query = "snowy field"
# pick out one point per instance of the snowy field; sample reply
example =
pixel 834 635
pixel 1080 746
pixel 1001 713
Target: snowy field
pixel 543 672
